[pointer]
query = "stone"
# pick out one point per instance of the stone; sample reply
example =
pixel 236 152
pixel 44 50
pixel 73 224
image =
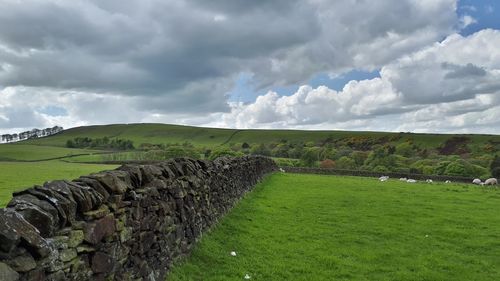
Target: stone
pixel 96 214
pixel 56 276
pixel 75 238
pixel 147 239
pixel 110 182
pixel 22 263
pixel 35 215
pixel 135 174
pixel 58 242
pixel 96 185
pixel 7 273
pixel 47 208
pixel 85 249
pixel 13 228
pixel 120 223
pixel 94 232
pixel 67 254
pixel 35 275
pixel 62 198
pixel 102 263
pixel 126 234
pixel 86 198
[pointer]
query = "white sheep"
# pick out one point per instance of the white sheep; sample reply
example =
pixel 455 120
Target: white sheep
pixel 447 181
pixel 476 181
pixel 383 178
pixel 402 179
pixel 282 170
pixel 491 181
pixel 428 181
pixel 411 180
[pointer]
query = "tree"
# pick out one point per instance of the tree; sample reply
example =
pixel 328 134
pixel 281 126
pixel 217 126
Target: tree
pixel 495 167
pixel 404 149
pixel 310 156
pixel 346 163
pixel 359 157
pixel 260 149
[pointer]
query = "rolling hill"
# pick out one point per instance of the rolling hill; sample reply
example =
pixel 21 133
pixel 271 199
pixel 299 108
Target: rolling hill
pixel 210 137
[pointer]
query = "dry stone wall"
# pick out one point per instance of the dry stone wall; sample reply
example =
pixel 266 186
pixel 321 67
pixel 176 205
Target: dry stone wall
pixel 127 224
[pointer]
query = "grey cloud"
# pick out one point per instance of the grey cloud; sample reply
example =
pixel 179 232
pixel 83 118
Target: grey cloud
pixel 181 51
pixel 459 71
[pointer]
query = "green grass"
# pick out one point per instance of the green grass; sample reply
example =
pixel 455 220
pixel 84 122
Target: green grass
pixel 310 227
pixel 18 175
pixel 210 137
pixel 27 152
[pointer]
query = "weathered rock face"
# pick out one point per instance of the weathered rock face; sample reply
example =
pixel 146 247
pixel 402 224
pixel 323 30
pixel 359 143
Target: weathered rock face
pixel 125 224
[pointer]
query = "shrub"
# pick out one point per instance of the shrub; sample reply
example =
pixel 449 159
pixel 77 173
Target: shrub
pixel 405 149
pixel 381 169
pixel 310 156
pixel 345 163
pixel 260 149
pixel 214 154
pixel 327 164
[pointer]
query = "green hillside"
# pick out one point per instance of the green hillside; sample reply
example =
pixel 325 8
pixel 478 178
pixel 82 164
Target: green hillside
pixel 429 154
pixel 164 133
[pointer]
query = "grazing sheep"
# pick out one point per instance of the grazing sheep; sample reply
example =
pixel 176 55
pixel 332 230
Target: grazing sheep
pixel 411 181
pixel 383 178
pixel 402 179
pixel 282 170
pixel 428 181
pixel 476 181
pixel 491 181
pixel 447 181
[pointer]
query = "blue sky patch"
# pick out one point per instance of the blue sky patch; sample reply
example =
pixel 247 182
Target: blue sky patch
pixel 53 110
pixel 485 12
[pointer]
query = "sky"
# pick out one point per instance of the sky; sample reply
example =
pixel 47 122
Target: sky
pixel 389 65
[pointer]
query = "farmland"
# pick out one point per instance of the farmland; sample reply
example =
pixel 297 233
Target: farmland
pixel 19 175
pixel 307 227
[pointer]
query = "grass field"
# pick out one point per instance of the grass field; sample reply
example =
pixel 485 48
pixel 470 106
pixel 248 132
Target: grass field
pixel 310 227
pixel 26 152
pixel 18 175
pixel 210 137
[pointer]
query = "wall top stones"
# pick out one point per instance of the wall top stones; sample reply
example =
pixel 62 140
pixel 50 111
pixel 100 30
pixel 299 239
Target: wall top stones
pixel 126 224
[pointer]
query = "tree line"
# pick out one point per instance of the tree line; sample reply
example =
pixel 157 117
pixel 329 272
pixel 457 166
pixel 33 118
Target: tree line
pixel 35 133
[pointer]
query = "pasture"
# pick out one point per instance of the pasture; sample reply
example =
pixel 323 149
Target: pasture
pixel 26 152
pixel 20 175
pixel 311 227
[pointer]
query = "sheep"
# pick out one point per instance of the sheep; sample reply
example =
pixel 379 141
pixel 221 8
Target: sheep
pixel 383 178
pixel 491 181
pixel 411 181
pixel 402 179
pixel 428 181
pixel 447 181
pixel 476 181
pixel 282 170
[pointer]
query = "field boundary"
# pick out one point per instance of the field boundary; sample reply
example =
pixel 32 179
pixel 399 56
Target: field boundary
pixel 357 173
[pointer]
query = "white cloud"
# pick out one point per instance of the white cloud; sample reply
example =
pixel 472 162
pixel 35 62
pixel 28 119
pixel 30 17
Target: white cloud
pixel 190 52
pixel 449 86
pixel 467 20
pixel 154 62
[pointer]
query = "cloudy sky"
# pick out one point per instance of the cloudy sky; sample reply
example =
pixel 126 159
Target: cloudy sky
pixel 392 65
